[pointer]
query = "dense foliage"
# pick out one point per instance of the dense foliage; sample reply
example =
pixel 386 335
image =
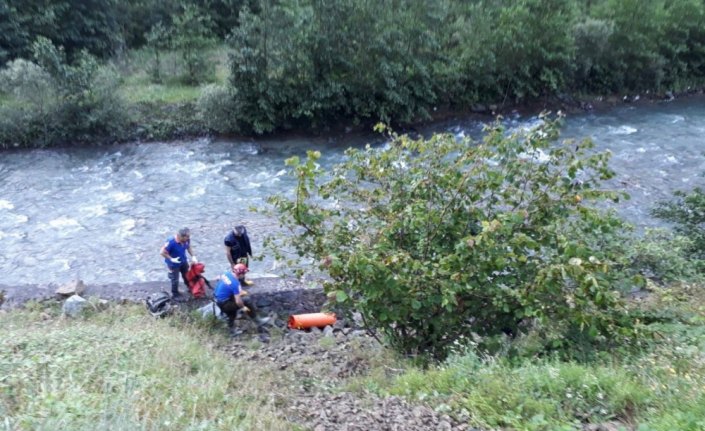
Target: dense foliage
pixel 59 102
pixel 435 240
pixel 313 64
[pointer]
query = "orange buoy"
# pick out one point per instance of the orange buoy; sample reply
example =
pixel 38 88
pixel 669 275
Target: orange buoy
pixel 304 321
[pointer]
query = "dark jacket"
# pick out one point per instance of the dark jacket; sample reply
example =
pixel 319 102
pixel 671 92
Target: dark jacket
pixel 239 245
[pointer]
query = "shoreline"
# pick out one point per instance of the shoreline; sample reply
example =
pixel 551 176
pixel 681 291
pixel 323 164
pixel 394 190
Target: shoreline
pixel 16 296
pixel 483 113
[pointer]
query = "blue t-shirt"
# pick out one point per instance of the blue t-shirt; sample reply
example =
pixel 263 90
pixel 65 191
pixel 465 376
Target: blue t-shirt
pixel 176 250
pixel 225 290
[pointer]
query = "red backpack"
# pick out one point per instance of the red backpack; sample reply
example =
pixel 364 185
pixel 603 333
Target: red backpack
pixel 196 282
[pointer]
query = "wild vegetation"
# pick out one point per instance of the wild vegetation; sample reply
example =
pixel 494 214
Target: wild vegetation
pixel 260 66
pixel 503 292
pixel 504 289
pixel 119 368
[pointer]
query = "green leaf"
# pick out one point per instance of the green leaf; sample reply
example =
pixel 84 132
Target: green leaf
pixel 341 296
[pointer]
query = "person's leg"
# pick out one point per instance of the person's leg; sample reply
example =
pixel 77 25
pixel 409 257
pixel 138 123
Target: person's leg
pixel 174 277
pixel 229 308
pixel 184 270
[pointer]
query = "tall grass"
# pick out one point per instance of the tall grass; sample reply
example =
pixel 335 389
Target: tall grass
pixel 660 386
pixel 123 370
pixel 138 84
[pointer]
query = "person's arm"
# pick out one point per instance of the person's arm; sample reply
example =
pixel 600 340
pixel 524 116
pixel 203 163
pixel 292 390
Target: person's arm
pixel 229 256
pixel 248 247
pixel 240 303
pixel 164 252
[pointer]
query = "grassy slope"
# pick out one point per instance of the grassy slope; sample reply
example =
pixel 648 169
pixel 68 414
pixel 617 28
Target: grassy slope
pixel 121 369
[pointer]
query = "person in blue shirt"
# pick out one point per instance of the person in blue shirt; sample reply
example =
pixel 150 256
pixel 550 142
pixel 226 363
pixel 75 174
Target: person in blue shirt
pixel 230 298
pixel 174 254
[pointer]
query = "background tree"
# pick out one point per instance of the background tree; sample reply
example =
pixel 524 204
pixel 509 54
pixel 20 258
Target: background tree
pixel 138 17
pixel 224 14
pixel 191 36
pixel 157 41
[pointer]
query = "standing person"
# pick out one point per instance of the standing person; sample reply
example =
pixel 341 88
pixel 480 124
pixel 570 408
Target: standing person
pixel 174 253
pixel 238 249
pixel 229 297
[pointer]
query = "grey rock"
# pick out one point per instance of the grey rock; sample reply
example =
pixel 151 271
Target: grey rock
pixel 73 306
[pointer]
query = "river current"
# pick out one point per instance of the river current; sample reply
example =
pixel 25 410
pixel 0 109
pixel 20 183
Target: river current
pixel 101 214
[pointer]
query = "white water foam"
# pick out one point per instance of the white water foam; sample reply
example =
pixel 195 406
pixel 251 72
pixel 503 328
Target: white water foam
pixel 94 210
pixel 64 222
pixel 197 191
pixel 122 196
pixel 16 235
pixel 19 218
pixel 125 228
pixel 622 130
pixel 140 275
pixel 537 155
pixel 6 205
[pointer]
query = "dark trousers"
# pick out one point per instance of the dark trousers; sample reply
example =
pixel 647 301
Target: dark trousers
pixel 230 308
pixel 174 277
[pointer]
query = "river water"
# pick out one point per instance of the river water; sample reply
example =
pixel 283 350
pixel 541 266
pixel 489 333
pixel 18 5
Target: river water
pixel 101 214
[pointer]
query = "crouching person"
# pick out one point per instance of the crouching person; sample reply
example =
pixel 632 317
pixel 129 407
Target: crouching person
pixel 229 297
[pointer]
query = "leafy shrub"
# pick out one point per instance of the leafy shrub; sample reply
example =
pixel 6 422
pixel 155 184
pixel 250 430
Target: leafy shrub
pixel 29 120
pixel 433 240
pixel 687 212
pixel 217 109
pixel 665 257
pixel 58 102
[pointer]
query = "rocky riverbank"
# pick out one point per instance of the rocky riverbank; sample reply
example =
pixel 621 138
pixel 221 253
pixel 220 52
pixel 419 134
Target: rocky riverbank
pixel 278 295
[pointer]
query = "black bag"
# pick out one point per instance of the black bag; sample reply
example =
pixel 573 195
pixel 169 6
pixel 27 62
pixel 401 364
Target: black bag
pixel 159 304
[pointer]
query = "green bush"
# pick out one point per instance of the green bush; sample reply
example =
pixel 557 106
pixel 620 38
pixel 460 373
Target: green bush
pixel 664 257
pixel 433 240
pixel 687 212
pixel 57 102
pixel 218 110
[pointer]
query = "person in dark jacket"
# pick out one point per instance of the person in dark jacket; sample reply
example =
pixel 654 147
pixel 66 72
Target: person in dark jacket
pixel 230 298
pixel 238 250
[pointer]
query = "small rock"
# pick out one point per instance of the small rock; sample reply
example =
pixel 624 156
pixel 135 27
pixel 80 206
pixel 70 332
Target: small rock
pixel 328 331
pixel 75 287
pixel 74 305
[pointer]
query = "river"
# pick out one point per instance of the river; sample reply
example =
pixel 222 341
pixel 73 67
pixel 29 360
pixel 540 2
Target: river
pixel 102 213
